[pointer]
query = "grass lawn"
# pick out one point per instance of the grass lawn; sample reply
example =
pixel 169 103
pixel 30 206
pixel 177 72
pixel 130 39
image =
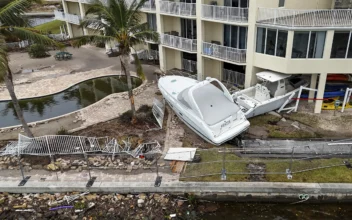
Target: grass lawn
pixel 52 26
pixel 269 122
pixel 212 164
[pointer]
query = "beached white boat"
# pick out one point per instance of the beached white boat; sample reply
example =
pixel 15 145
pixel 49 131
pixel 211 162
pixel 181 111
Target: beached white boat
pixel 206 107
pixel 269 95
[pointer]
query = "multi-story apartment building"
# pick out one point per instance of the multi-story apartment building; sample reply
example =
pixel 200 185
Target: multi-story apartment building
pixel 235 39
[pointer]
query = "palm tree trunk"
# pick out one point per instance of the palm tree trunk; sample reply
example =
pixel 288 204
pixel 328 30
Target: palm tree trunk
pixel 16 105
pixel 125 64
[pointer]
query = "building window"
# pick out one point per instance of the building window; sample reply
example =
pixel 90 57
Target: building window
pixel 281 3
pixel 151 19
pixel 188 28
pixel 235 36
pixel 271 42
pixel 308 44
pixel 236 3
pixel 341 45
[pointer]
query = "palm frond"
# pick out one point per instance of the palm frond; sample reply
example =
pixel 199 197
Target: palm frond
pixel 30 34
pixel 3 59
pixel 11 13
pixel 88 39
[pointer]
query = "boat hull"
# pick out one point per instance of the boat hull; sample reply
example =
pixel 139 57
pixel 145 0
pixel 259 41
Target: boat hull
pixel 193 122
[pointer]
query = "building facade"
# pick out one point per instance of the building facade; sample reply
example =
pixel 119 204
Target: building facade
pixel 232 40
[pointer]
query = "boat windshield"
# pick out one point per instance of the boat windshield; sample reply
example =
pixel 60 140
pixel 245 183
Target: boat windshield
pixel 183 98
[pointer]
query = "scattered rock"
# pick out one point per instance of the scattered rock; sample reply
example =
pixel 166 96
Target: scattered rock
pixel 140 203
pixel 52 167
pixel 111 210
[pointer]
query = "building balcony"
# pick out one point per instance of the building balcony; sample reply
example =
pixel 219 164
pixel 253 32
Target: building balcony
pixel 70 18
pixel 147 6
pixel 189 65
pixel 292 18
pixel 224 13
pixel 180 43
pixel 224 53
pixel 90 1
pixel 178 8
pixel 233 78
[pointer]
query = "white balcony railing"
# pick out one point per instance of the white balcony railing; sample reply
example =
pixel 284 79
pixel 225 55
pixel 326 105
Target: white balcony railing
pixel 70 18
pixel 178 8
pixel 189 65
pixel 233 77
pixel 225 13
pixel 182 43
pixel 305 18
pixel 88 1
pixel 224 53
pixel 148 5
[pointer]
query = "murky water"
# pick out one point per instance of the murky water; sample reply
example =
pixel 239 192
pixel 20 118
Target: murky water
pixel 259 211
pixel 72 99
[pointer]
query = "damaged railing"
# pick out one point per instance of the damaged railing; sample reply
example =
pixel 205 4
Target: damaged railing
pixel 66 144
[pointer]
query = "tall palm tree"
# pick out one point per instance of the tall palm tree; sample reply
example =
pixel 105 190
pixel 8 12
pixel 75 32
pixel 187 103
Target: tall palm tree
pixel 119 22
pixel 14 25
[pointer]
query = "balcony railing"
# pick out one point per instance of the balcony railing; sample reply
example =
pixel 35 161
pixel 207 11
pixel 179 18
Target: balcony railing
pixel 233 77
pixel 305 18
pixel 70 18
pixel 178 8
pixel 189 65
pixel 87 1
pixel 148 5
pixel 225 13
pixel 224 53
pixel 182 43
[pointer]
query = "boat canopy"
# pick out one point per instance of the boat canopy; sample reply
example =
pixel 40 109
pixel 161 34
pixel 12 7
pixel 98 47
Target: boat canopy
pixel 271 76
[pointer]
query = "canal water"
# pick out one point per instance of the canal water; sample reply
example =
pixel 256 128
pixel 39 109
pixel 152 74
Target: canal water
pixel 72 99
pixel 259 211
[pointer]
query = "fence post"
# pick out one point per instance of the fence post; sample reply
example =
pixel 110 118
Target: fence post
pixel 223 171
pixel 47 143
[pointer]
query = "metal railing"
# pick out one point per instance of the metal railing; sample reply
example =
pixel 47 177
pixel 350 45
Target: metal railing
pixel 223 52
pixel 87 1
pixel 305 18
pixel 233 77
pixel 148 55
pixel 62 16
pixel 179 42
pixel 189 65
pixel 178 8
pixel 148 5
pixel 225 13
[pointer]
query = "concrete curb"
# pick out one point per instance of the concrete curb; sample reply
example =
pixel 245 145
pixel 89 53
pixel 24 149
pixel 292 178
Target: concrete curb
pixel 239 191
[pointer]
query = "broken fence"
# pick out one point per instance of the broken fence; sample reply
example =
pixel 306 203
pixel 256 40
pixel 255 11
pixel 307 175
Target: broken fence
pixel 66 144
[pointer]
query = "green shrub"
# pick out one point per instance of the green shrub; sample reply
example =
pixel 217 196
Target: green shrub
pixel 38 51
pixel 62 131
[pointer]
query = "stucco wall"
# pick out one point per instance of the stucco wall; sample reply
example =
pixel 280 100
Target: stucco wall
pixel 76 30
pixel 213 31
pixel 308 4
pixel 171 24
pixel 212 68
pixel 173 59
pixel 73 8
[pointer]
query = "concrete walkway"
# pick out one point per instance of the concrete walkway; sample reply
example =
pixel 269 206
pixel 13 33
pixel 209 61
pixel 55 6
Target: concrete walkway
pixel 239 191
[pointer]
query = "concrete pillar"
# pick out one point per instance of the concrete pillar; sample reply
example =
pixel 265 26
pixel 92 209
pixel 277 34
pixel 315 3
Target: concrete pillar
pixel 68 25
pixel 320 93
pixel 160 29
pixel 313 85
pixel 251 39
pixel 200 35
pixel 83 13
pixel 289 45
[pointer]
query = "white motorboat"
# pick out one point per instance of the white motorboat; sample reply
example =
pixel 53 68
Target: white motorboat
pixel 206 107
pixel 271 94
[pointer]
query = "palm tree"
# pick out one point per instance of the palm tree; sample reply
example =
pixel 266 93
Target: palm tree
pixel 14 25
pixel 120 22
